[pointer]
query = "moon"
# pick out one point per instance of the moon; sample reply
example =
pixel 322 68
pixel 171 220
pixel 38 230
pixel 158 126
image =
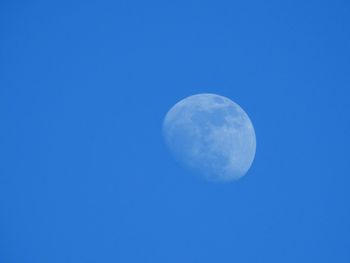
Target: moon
pixel 212 136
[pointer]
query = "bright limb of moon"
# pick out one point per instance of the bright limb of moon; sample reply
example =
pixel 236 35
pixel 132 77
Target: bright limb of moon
pixel 211 135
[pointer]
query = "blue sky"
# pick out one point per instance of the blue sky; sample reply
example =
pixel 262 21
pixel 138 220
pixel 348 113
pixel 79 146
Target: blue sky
pixel 84 172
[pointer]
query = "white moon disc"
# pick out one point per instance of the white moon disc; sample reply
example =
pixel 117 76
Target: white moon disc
pixel 211 135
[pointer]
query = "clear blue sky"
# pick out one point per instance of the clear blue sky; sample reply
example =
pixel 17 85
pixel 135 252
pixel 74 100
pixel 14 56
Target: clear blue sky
pixel 84 172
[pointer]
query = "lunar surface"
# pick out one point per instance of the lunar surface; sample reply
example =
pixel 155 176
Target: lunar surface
pixel 212 136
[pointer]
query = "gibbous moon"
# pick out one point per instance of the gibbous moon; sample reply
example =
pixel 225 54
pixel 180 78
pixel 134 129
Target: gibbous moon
pixel 211 135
